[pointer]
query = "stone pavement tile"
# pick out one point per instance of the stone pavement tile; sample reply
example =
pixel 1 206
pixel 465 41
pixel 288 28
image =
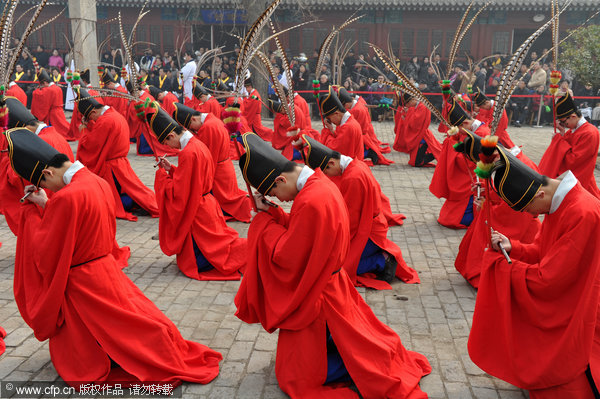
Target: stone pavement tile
pixel 230 374
pixel 196 390
pixel 470 367
pixel 433 386
pixel 485 393
pixel 223 338
pixel 248 332
pixel 35 362
pixel 260 361
pixel 222 392
pixel 512 394
pixel 9 364
pixel 457 390
pixel 452 370
pixel 273 392
pixel 240 351
pixel 251 386
pixel 483 381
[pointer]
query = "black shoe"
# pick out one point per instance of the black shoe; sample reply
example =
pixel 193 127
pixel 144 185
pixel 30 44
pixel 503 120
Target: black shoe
pixel 372 155
pixel 517 124
pixel 389 270
pixel 140 212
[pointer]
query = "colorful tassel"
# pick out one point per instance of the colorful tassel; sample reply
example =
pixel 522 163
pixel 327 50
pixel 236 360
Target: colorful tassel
pixel 316 85
pixel 486 156
pixel 232 118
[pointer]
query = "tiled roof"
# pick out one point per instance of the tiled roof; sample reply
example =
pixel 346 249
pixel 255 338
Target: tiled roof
pixel 343 4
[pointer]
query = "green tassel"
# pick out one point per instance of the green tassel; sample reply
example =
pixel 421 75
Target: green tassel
pixel 457 145
pixel 484 174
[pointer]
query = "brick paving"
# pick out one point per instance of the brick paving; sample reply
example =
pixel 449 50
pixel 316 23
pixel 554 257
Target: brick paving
pixel 434 320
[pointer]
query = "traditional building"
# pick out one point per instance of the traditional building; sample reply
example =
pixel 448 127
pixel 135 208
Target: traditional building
pixel 413 27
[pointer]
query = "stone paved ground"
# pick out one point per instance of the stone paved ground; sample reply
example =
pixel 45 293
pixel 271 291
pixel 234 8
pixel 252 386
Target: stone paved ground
pixel 435 320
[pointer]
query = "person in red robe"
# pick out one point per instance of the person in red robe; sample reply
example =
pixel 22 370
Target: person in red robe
pixel 103 149
pixel 575 149
pixel 252 112
pixel 372 259
pixel 71 291
pixel 2 344
pixel 342 132
pixel 483 108
pixel 300 103
pixel 519 225
pixel 118 103
pixel 166 99
pixel 74 131
pixel 422 146
pixel 294 282
pixel 453 178
pixel 14 90
pixel 47 104
pixel 360 112
pixel 191 224
pixel 146 143
pixel 399 117
pixel 535 323
pixel 384 147
pixel 285 135
pixel 11 185
pixel 211 131
pixel 206 102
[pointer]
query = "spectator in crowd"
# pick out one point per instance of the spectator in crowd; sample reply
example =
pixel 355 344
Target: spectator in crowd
pixel 117 59
pixel 495 75
pixel 301 79
pixel 423 71
pixel 538 77
pixel 546 111
pixel 524 74
pixel 27 65
pixel 377 87
pixel 147 60
pixel 596 115
pixel 324 81
pixel 56 60
pixel 437 61
pixel 480 75
pixel 413 68
pixel 584 91
pixel 41 56
pixel 520 105
pixel 563 88
pixel 493 87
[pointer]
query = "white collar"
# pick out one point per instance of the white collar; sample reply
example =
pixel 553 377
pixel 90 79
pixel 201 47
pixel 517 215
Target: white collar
pixel 39 128
pixel 50 84
pixel 516 150
pixel 203 117
pixel 68 176
pixel 345 118
pixel 104 109
pixel 581 122
pixel 354 102
pixel 344 162
pixel 303 177
pixel 11 84
pixel 208 96
pixel 567 182
pixel 185 138
pixel 475 125
pixel 295 94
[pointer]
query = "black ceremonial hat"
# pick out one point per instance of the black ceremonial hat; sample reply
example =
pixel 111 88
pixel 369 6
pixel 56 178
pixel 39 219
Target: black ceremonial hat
pixel 85 75
pixel 197 89
pixel 28 154
pixel 183 114
pixel 515 182
pixel 331 103
pixel 406 98
pixel 479 98
pixel 18 114
pixel 154 91
pixel 160 122
pixel 467 106
pixel 565 106
pixel 248 82
pixel 317 154
pixel 43 76
pixel 276 106
pixel 470 146
pixel 456 114
pixel 85 103
pixel 261 163
pixel 129 86
pixel 344 96
pixel 107 76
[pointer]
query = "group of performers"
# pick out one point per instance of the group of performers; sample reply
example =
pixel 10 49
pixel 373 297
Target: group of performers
pixel 535 316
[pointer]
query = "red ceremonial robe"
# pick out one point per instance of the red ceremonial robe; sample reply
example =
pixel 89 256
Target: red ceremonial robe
pixel 399 126
pixel 521 226
pixel 189 212
pixel 168 102
pixel 2 344
pixel 416 128
pixel 347 139
pixel 486 116
pixel 47 106
pixel 103 149
pixel 225 187
pixel 119 104
pixel 138 127
pixel 362 195
pixel 366 123
pixel 360 112
pixel 293 282
pixel 281 141
pixel 575 151
pixel 74 132
pixel 393 219
pixel 535 320
pixel 452 180
pixel 12 186
pixel 211 106
pixel 252 113
pixel 15 91
pixel 70 289
pixel 300 102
